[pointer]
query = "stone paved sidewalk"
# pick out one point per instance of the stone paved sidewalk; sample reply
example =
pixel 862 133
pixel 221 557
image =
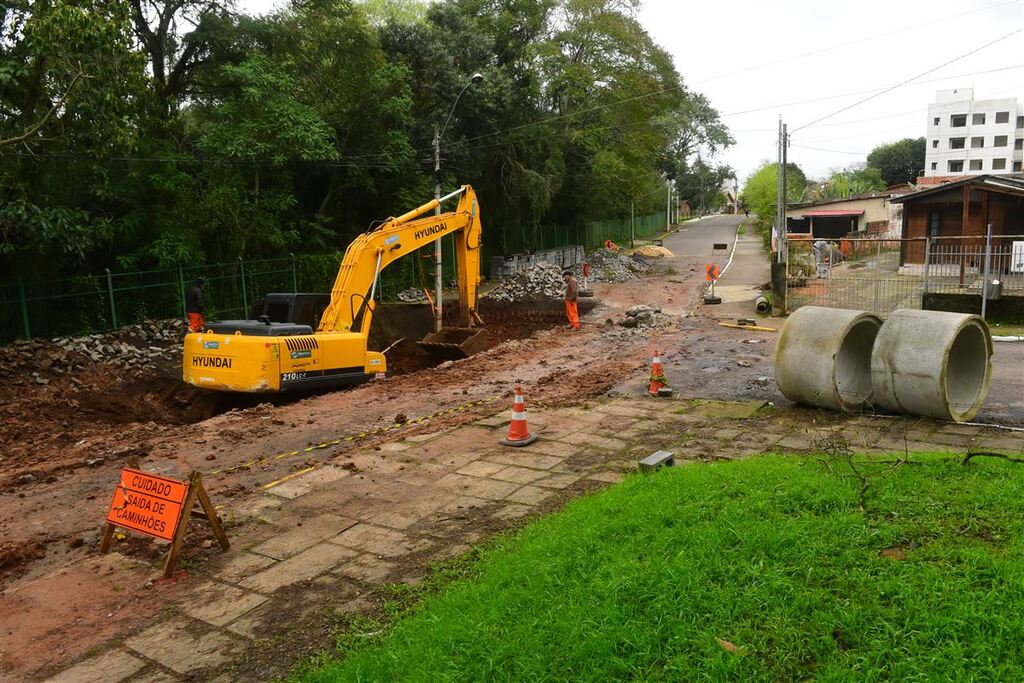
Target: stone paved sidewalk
pixel 329 539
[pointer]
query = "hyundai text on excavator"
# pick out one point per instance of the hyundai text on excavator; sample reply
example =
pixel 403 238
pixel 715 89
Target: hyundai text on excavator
pixel 266 356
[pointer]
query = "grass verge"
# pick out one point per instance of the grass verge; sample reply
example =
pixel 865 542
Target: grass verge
pixel 756 570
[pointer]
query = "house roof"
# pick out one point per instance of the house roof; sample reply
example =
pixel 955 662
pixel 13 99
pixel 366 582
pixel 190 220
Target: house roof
pixel 820 213
pixel 1005 184
pixel 863 197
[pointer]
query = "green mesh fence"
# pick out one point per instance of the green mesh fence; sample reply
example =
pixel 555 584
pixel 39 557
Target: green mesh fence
pixel 104 301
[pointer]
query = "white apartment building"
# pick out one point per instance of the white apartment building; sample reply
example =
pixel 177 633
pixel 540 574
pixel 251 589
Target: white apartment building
pixel 971 137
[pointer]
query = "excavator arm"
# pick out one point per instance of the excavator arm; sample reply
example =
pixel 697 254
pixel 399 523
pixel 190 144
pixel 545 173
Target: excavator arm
pixel 354 292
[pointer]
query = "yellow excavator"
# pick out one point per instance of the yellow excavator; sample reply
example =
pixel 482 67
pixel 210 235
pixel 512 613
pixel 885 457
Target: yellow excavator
pixel 267 356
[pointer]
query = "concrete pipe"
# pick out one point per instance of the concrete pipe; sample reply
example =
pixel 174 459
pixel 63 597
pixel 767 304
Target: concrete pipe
pixel 823 357
pixel 932 363
pixel 762 305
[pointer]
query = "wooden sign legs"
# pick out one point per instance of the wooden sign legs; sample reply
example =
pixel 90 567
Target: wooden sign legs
pixel 195 490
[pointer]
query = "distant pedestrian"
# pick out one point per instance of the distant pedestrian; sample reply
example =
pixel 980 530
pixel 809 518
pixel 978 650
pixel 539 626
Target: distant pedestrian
pixel 572 291
pixel 194 305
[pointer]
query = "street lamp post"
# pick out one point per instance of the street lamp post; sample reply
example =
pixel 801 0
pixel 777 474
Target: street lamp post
pixel 438 273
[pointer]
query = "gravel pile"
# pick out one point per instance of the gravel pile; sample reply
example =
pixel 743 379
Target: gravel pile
pixel 412 296
pixel 607 265
pixel 537 283
pixel 645 317
pixel 140 347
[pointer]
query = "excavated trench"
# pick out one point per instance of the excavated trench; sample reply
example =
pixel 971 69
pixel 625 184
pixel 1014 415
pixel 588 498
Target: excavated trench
pixel 397 327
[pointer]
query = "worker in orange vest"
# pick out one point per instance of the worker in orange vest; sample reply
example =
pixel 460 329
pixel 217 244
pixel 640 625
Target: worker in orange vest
pixel 586 276
pixel 572 291
pixel 194 305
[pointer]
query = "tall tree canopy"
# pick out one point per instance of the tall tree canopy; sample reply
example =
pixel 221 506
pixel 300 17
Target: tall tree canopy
pixel 146 133
pixel 899 162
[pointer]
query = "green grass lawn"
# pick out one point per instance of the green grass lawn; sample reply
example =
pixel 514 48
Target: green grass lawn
pixel 771 555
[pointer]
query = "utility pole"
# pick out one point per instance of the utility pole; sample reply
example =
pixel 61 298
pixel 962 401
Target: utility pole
pixel 668 204
pixel 438 274
pixel 632 231
pixel 778 266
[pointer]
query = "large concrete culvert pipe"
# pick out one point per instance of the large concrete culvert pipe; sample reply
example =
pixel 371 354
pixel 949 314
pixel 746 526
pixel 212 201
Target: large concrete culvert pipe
pixel 933 364
pixel 823 357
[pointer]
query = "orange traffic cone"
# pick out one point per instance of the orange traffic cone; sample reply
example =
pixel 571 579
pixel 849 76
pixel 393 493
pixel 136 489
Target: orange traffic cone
pixel 518 433
pixel 658 380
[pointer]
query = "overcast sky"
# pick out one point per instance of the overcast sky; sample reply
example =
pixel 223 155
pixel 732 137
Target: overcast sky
pixel 727 49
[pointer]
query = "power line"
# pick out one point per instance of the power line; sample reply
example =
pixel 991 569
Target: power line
pixel 834 151
pixel 913 78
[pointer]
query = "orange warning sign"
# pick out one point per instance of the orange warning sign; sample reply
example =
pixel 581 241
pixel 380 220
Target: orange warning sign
pixel 147 503
pixel 712 272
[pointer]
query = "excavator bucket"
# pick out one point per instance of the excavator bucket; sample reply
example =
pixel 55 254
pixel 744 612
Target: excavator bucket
pixel 452 343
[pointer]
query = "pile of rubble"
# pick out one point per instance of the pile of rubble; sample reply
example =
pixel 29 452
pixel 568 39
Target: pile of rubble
pixel 135 347
pixel 411 296
pixel 608 265
pixel 542 281
pixel 646 317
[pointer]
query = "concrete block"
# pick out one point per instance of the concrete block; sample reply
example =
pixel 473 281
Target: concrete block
pixel 656 460
pixel 114 665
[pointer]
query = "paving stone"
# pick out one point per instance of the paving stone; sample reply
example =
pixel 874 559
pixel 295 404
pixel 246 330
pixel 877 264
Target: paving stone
pixel 610 477
pixel 253 507
pixel 519 475
pixel 1013 443
pixel 513 511
pixel 113 665
pixel 930 447
pixel 623 410
pixel 794 442
pixel 607 443
pixel 463 504
pixel 494 420
pixel 393 520
pixel 366 567
pixel 423 438
pixel 526 458
pixel 728 409
pixel 248 625
pixel 298 538
pixel 558 481
pixel 491 489
pixel 531 495
pixel 241 565
pixel 303 484
pixel 379 540
pixel 481 468
pixel 394 447
pixel 155 675
pixel 217 603
pixel 727 434
pixel 306 565
pixel 184 646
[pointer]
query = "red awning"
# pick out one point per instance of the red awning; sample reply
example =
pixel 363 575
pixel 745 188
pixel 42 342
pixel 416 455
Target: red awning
pixel 834 212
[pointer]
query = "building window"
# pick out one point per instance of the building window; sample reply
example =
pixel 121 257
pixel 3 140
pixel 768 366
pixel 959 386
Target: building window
pixel 1002 117
pixel 956 166
pixel 977 142
pixel 958 120
pixel 1018 143
pixel 999 141
pixel 1016 167
pixel 935 121
pixel 935 165
pixel 957 143
pixel 934 222
pixel 978 120
pixel 975 164
pixel 999 164
pixel 1020 121
pixel 935 144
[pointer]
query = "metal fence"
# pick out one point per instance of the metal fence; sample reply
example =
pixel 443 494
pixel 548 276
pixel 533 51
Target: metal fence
pixel 881 275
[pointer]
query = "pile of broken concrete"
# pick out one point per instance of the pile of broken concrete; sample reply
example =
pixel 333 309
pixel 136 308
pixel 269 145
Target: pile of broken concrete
pixel 609 265
pixel 645 317
pixel 135 347
pixel 540 282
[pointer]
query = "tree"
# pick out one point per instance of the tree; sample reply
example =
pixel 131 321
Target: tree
pixel 760 193
pixel 844 183
pixel 899 162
